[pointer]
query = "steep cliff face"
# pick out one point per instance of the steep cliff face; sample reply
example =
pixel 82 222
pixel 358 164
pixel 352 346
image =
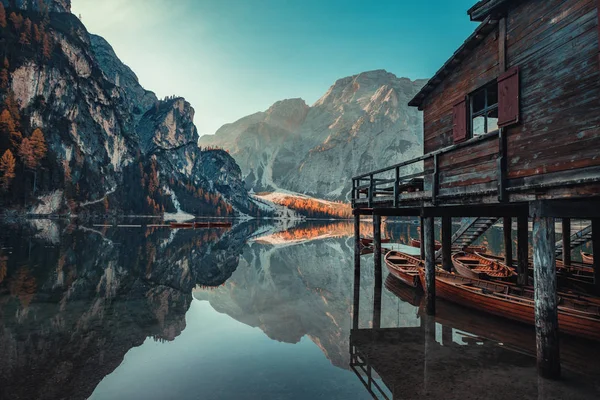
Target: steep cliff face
pixel 362 123
pixel 111 145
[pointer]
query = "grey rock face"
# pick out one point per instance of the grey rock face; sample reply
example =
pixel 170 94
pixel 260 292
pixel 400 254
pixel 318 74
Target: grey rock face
pixel 108 137
pixel 362 123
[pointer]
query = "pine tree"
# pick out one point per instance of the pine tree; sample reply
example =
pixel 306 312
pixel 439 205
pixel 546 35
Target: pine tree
pixel 25 38
pixel 8 128
pixel 13 107
pixel 17 20
pixel 46 47
pixel 4 74
pixel 38 144
pixel 2 16
pixel 37 34
pixel 27 155
pixel 7 168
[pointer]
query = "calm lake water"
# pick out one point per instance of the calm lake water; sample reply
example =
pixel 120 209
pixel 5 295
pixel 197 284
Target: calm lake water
pixel 89 310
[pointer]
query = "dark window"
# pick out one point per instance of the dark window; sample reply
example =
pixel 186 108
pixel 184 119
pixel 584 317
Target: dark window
pixel 484 110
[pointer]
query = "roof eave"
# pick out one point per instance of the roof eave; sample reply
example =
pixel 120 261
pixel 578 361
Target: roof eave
pixel 465 49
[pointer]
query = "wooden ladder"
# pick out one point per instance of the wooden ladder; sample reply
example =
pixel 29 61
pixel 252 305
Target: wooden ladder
pixel 469 232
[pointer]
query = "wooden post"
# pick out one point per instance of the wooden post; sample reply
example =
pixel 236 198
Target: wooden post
pixel 507 229
pixel 378 271
pixel 446 335
pixel 422 238
pixel 429 245
pixel 522 250
pixel 566 241
pixel 377 302
pixel 447 243
pixel 356 270
pixel 546 311
pixel 596 252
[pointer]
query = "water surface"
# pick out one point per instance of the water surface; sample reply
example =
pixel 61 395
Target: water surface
pixel 90 310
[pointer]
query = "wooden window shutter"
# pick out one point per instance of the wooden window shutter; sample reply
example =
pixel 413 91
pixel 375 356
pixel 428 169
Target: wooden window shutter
pixel 459 121
pixel 508 97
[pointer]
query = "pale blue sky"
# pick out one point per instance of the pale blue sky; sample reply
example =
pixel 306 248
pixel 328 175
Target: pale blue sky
pixel 231 58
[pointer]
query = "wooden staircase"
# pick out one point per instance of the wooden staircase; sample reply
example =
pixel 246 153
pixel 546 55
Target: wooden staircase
pixel 577 239
pixel 469 233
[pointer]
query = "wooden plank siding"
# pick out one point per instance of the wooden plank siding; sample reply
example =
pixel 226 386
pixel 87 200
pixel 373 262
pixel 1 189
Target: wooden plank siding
pixel 555 45
pixel 474 164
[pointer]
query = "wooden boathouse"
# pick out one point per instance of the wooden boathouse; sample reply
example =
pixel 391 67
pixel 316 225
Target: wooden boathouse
pixel 511 130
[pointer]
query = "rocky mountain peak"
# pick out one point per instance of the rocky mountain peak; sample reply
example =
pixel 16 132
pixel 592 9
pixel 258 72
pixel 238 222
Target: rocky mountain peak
pixel 287 114
pixel 39 5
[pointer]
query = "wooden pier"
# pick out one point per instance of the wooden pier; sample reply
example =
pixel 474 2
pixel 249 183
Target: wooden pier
pixel 512 131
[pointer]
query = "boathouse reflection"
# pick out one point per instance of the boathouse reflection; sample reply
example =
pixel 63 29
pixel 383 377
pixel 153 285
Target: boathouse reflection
pixel 459 354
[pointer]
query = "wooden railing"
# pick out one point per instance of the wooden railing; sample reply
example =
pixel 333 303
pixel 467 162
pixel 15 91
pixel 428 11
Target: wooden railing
pixel 389 181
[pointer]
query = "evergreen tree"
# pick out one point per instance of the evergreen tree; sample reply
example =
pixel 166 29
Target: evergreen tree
pixel 25 39
pixel 13 107
pixel 27 155
pixel 7 168
pixel 9 129
pixel 17 21
pixel 4 74
pixel 37 34
pixel 2 16
pixel 38 144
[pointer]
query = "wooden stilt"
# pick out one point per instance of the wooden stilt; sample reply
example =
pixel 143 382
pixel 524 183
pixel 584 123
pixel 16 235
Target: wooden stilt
pixel 422 238
pixel 446 335
pixel 546 311
pixel 522 251
pixel 377 303
pixel 378 272
pixel 508 253
pixel 447 243
pixel 429 246
pixel 596 252
pixel 566 240
pixel 356 271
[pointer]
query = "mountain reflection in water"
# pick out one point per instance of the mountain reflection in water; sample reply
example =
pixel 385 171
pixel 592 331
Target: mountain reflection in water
pixel 257 311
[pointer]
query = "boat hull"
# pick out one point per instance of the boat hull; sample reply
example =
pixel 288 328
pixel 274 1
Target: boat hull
pixel 406 272
pixel 518 311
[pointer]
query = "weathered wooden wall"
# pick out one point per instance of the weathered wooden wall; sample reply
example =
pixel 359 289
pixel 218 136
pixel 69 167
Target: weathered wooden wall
pixel 479 68
pixel 475 165
pixel 555 45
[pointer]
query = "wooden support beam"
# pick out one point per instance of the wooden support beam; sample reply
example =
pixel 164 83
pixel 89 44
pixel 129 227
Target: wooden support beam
pixel 378 272
pixel 596 252
pixel 523 251
pixel 397 212
pixel 507 230
pixel 568 208
pixel 356 271
pixel 446 335
pixel 508 210
pixel 429 245
pixel 447 243
pixel 546 299
pixel 422 237
pixel 566 241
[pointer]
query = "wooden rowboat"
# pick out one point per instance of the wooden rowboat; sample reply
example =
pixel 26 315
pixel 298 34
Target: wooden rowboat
pixel 404 267
pixel 181 225
pixel 587 258
pixel 417 243
pixel 477 267
pixel 368 242
pixel 213 225
pixel 577 315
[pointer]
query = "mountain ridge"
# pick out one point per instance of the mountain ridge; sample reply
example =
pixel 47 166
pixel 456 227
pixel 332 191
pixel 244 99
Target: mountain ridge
pixel 362 122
